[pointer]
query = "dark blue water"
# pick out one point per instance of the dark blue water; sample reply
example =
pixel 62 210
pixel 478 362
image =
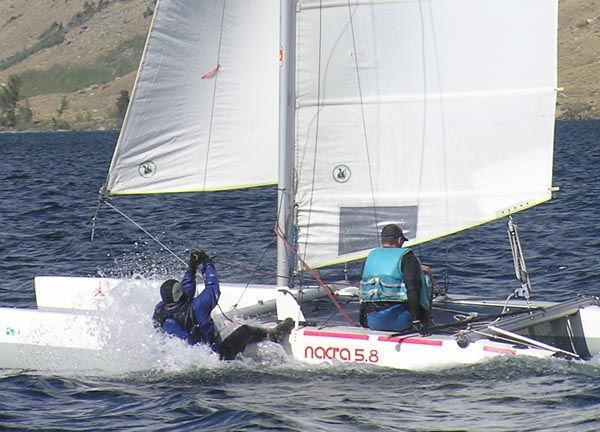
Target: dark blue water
pixel 48 189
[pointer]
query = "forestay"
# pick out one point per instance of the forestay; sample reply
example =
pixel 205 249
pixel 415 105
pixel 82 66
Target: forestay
pixel 203 114
pixel 437 115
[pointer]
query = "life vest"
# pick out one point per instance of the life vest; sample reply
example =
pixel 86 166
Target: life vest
pixel 383 281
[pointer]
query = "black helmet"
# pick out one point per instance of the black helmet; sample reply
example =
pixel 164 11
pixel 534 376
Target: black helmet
pixel 171 291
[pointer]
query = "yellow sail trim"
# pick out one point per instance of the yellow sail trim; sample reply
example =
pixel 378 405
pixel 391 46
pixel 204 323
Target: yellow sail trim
pixel 175 191
pixel 499 215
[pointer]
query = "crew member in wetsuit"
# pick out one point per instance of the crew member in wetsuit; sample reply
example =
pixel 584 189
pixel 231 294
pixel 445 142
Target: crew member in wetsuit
pixel 186 317
pixel 395 293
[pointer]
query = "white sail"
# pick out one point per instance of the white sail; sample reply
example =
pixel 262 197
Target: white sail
pixel 435 114
pixel 203 114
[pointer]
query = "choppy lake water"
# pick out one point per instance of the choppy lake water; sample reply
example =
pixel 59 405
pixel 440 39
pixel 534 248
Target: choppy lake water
pixel 48 188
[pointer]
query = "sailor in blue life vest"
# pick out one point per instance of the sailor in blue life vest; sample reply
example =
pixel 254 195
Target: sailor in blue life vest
pixel 186 317
pixel 395 293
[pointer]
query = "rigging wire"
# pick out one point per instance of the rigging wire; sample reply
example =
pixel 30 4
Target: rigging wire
pixel 237 265
pixel 145 231
pixel 322 283
pixel 248 282
pixel 324 323
pixel 314 274
pixel 220 261
pixel 94 220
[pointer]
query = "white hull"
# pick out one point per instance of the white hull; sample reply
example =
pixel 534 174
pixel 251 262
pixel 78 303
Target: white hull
pixel 90 323
pixel 590 322
pixel 575 332
pixel 43 340
pixel 80 318
pixel 33 339
pixel 361 346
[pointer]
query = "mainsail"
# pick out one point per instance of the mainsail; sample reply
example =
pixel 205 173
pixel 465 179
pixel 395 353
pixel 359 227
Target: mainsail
pixel 437 115
pixel 434 114
pixel 203 114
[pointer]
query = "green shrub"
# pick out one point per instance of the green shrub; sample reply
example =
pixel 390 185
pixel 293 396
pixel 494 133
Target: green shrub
pixel 12 18
pixel 54 28
pixel 60 124
pixel 9 95
pixel 102 4
pixel 53 36
pixel 67 79
pixel 122 103
pixel 577 111
pixel 89 9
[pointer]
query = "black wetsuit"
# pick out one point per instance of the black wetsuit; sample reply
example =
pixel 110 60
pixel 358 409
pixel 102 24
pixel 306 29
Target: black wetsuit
pixel 190 319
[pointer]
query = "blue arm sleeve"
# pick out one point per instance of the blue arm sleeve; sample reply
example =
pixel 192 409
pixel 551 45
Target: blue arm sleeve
pixel 206 301
pixel 189 284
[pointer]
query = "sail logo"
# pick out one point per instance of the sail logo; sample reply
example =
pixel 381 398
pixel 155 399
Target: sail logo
pixel 147 169
pixel 10 331
pixel 341 173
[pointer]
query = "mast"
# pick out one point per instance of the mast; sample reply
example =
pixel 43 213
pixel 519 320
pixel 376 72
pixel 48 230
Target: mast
pixel 285 165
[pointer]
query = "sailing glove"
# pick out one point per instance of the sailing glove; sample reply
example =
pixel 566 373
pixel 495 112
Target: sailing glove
pixel 197 258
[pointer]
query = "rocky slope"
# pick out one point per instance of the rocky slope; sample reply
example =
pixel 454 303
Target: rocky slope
pixel 75 57
pixel 93 41
pixel 579 59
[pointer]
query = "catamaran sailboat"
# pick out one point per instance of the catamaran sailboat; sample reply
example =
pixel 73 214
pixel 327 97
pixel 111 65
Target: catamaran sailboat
pixel 436 115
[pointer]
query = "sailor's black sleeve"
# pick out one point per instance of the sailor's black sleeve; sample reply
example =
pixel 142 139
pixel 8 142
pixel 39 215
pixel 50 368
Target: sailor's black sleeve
pixel 411 271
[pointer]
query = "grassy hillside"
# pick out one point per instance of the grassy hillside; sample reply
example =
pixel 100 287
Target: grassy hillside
pixel 75 57
pixel 579 59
